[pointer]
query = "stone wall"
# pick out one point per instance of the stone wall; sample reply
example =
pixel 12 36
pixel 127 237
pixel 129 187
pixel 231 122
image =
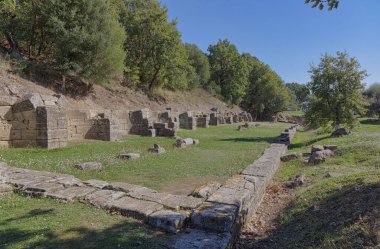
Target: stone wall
pixel 44 121
pixel 217 222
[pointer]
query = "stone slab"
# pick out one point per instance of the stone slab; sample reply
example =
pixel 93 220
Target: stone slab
pixel 199 239
pixel 167 220
pixel 70 194
pixel 102 198
pixel 135 208
pixel 215 217
pixel 96 183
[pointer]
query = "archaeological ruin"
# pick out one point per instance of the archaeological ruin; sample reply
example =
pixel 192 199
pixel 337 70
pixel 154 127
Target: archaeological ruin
pixel 45 121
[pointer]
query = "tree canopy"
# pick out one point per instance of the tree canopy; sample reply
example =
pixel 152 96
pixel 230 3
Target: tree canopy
pixel 373 95
pixel 337 91
pixel 321 4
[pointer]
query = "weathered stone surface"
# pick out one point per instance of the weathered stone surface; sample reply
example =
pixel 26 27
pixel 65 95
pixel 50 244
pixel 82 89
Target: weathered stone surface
pixel 181 202
pixel 196 141
pixel 231 196
pixel 131 207
pixel 200 239
pixel 206 190
pixel 167 220
pixel 103 198
pixel 41 189
pixel 319 156
pixel 215 217
pixel 296 181
pixel 28 102
pixel 315 148
pixel 289 157
pixel 157 149
pixel 123 186
pixel 129 156
pixel 5 189
pixel 89 166
pixel 70 194
pixel 97 183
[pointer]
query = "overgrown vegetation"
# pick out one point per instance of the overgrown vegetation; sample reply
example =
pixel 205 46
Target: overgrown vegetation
pixel 102 40
pixel 339 211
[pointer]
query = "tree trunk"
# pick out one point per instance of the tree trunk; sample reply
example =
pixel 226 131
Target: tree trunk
pixel 151 84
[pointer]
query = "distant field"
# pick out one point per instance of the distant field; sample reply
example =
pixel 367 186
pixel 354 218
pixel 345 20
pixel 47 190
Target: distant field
pixel 222 152
pixel 294 113
pixel 338 212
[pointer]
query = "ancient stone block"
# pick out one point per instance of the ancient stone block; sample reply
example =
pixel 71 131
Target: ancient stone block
pixel 215 217
pixel 206 190
pixel 157 149
pixel 70 194
pixel 167 220
pixel 28 102
pixel 131 207
pixel 200 239
pixel 129 156
pixel 103 198
pixel 96 183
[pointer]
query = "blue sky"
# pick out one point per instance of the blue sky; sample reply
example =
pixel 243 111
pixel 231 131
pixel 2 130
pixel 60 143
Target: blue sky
pixel 286 34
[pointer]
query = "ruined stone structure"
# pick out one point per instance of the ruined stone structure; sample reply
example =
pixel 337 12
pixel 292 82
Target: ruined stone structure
pixel 45 121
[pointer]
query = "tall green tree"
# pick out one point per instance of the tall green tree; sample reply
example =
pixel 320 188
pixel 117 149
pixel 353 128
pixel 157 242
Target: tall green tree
pixel 227 70
pixel 266 94
pixel 337 91
pixel 300 92
pixel 373 95
pixel 154 51
pixel 199 62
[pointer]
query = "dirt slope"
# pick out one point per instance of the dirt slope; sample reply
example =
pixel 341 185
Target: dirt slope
pixel 119 97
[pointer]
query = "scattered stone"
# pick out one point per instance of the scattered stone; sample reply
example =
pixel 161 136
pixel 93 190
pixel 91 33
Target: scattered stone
pixel 206 190
pixel 296 181
pixel 196 141
pixel 184 142
pixel 319 156
pixel 89 166
pixel 129 156
pixel 330 147
pixel 341 132
pixel 315 148
pixel 157 149
pixel 289 157
pixel 96 183
pixel 167 220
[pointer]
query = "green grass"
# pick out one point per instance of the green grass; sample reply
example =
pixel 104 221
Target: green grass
pixel 294 113
pixel 222 152
pixel 338 212
pixel 45 223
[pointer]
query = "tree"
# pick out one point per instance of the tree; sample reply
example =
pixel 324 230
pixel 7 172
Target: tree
pixel 227 70
pixel 267 94
pixel 373 95
pixel 300 92
pixel 332 4
pixel 337 91
pixel 154 52
pixel 77 37
pixel 199 62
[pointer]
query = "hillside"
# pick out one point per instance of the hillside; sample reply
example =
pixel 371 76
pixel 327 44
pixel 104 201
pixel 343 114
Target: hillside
pixel 15 86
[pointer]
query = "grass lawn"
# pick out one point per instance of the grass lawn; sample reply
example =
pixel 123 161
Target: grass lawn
pixel 342 211
pixel 294 113
pixel 222 152
pixel 45 223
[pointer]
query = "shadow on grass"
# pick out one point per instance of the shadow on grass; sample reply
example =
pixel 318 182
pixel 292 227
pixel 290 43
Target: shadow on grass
pixel 32 213
pixel 251 139
pixel 349 218
pixel 308 143
pixel 370 121
pixel 127 234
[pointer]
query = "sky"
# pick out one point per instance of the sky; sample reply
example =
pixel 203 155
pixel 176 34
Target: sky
pixel 286 34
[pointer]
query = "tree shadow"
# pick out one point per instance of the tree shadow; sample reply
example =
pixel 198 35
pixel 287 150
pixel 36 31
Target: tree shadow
pixel 307 143
pixel 251 139
pixel 347 218
pixel 126 234
pixel 370 121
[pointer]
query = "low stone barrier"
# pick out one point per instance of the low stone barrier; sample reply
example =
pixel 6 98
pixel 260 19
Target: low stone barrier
pixel 217 222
